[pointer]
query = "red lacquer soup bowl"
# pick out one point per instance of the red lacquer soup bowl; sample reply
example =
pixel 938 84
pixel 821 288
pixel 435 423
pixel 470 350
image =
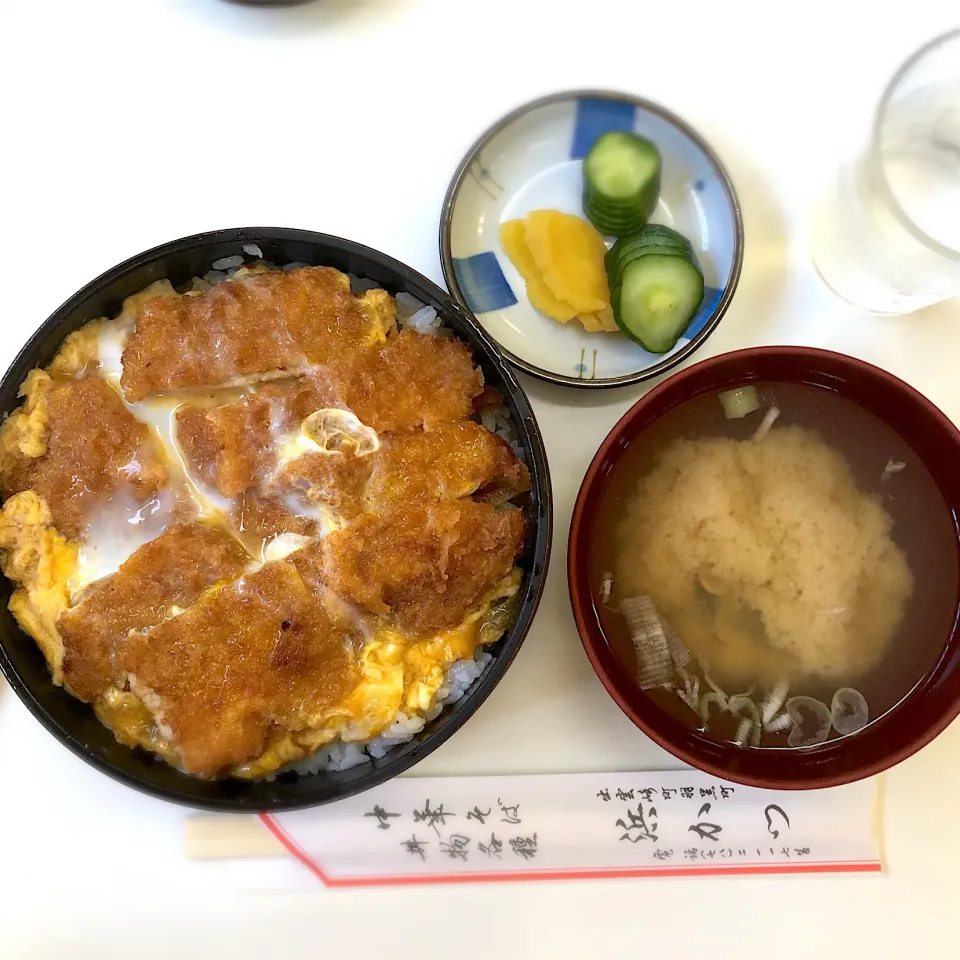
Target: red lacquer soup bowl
pixel 926 709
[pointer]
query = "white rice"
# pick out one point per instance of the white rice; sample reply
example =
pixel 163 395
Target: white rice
pixel 407 306
pixel 404 728
pixel 225 263
pixel 500 423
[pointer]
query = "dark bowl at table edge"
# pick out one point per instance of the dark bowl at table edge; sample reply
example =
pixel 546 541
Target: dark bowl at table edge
pixel 929 708
pixel 72 722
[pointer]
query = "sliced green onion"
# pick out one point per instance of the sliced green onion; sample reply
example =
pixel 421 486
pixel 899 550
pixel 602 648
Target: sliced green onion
pixel 769 418
pixel 678 652
pixel 709 699
pixel 802 734
pixel 779 724
pixel 715 687
pixel 690 694
pixel 849 711
pixel 654 663
pixel 606 588
pixel 740 402
pixel 774 701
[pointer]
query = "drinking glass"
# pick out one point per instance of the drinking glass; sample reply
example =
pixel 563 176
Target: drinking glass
pixel 886 234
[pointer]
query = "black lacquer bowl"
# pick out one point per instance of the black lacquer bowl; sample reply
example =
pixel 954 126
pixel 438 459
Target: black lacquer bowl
pixel 72 722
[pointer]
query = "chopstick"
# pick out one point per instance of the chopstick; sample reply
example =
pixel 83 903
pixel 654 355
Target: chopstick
pixel 209 837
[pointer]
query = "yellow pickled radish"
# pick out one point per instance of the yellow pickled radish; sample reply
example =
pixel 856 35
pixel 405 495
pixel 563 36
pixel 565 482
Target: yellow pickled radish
pixel 541 298
pixel 513 238
pixel 514 242
pixel 607 323
pixel 568 253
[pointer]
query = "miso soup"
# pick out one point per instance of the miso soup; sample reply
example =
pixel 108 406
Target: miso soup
pixel 774 565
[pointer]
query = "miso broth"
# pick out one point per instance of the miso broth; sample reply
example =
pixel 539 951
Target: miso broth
pixel 814 559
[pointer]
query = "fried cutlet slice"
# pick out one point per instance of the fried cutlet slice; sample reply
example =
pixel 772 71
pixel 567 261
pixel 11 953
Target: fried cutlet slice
pixel 268 324
pixel 172 570
pixel 336 480
pixel 262 654
pixel 89 445
pixel 263 515
pixel 230 445
pixel 488 399
pixel 197 441
pixel 453 460
pixel 296 399
pixel 427 566
pixel 413 380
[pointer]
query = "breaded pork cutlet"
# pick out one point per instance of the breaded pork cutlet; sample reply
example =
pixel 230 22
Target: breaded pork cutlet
pixel 262 655
pixel 452 461
pixel 240 330
pixel 257 514
pixel 413 380
pixel 425 566
pixel 87 445
pixel 171 571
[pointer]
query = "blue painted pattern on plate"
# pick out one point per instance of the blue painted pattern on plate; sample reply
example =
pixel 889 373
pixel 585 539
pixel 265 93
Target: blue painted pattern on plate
pixel 595 117
pixel 482 282
pixel 711 297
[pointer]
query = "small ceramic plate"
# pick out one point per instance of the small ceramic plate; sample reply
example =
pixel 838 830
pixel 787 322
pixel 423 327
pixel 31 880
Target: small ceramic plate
pixel 531 160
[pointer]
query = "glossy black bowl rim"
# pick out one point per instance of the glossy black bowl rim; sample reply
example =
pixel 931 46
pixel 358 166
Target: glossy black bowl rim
pixel 540 546
pixel 658 369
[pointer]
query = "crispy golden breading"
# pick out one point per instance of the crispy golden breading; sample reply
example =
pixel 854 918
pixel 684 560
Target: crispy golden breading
pixel 262 515
pixel 413 380
pixel 337 480
pixel 453 460
pixel 295 399
pixel 262 654
pixel 432 381
pixel 244 444
pixel 172 570
pixel 92 445
pixel 427 566
pixel 489 398
pixel 265 324
pixel 197 440
pixel 230 445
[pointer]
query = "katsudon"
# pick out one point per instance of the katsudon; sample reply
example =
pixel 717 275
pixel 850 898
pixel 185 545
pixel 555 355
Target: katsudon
pixel 256 519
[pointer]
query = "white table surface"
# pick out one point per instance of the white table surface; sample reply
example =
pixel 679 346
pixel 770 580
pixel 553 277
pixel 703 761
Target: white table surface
pixel 130 122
